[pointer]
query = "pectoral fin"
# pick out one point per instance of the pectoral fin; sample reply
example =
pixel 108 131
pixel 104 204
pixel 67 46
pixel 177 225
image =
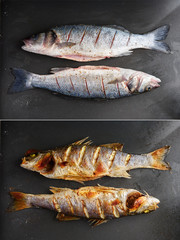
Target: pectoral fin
pixel 56 190
pixel 63 217
pixel 115 146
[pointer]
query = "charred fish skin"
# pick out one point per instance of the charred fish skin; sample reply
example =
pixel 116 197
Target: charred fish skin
pixel 87 81
pixel 85 43
pixel 81 161
pixel 98 203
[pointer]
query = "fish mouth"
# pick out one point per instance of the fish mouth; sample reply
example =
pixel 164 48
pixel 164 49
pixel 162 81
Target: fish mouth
pixel 139 203
pixel 27 44
pixel 155 82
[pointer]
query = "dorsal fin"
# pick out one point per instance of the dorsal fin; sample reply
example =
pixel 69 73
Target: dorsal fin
pixel 118 28
pixel 55 70
pixel 56 189
pixel 115 146
pixel 88 67
pixel 82 141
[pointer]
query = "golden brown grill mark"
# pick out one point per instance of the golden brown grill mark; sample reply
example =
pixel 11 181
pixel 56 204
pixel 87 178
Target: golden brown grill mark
pixel 111 158
pixel 81 155
pixel 85 209
pixel 115 212
pixel 128 157
pixel 98 35
pixel 96 155
pixel 56 205
pixel 67 153
pixel 113 39
pixel 100 210
pixel 70 204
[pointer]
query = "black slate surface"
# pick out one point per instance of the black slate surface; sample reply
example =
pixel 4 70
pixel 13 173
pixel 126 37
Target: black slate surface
pixel 22 18
pixel 138 137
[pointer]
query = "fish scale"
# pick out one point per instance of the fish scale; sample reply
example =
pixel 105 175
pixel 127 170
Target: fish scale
pixel 92 43
pixel 87 81
pixel 95 203
pixel 82 161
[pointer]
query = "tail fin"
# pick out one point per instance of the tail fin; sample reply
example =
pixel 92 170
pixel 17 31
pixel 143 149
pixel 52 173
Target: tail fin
pixel 22 81
pixel 157 36
pixel 157 158
pixel 20 201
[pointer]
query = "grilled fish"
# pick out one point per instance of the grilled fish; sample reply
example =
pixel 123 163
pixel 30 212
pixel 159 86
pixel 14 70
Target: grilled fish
pixel 85 43
pixel 81 161
pixel 87 81
pixel 98 204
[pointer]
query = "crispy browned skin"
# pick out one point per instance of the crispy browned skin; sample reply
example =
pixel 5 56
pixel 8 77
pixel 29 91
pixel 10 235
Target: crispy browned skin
pixel 98 203
pixel 81 161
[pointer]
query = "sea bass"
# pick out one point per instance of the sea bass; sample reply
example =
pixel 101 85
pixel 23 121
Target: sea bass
pixel 85 43
pixel 81 161
pixel 87 81
pixel 98 204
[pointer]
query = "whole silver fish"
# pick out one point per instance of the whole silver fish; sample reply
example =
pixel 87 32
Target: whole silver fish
pixel 87 81
pixel 91 43
pixel 81 161
pixel 98 204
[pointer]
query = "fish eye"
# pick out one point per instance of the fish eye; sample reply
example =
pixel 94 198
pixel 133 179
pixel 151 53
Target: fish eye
pixel 54 35
pixel 148 88
pixel 34 37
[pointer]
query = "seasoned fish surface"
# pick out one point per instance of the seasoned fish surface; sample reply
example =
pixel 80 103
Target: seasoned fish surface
pixel 95 203
pixel 87 81
pixel 82 162
pixel 92 43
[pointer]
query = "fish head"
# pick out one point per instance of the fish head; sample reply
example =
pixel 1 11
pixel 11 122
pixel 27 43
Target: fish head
pixel 42 162
pixel 138 203
pixel 40 43
pixel 142 82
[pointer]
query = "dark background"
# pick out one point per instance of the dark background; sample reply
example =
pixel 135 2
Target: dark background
pixel 138 137
pixel 21 19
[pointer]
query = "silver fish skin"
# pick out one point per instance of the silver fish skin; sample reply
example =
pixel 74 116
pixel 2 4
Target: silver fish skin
pixel 97 203
pixel 87 81
pixel 85 43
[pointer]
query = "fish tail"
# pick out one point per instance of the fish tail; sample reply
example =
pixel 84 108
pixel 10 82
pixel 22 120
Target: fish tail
pixel 22 80
pixel 157 158
pixel 156 38
pixel 20 201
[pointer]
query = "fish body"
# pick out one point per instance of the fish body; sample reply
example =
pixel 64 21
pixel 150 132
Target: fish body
pixel 92 43
pixel 81 161
pixel 87 81
pixel 95 203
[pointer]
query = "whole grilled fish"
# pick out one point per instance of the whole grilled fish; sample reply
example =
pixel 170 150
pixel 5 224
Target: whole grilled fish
pixel 87 81
pixel 85 43
pixel 82 162
pixel 98 204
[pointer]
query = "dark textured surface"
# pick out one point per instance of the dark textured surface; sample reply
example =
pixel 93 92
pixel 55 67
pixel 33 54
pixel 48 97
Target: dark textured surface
pixel 138 137
pixel 24 18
